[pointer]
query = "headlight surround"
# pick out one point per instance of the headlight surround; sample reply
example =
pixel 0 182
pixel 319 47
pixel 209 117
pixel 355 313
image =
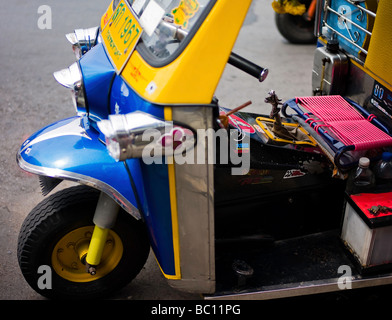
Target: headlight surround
pixel 141 135
pixel 83 40
pixel 124 133
pixel 72 78
pixel 116 136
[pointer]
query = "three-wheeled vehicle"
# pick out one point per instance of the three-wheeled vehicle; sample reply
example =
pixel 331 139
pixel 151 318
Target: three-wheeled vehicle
pixel 233 204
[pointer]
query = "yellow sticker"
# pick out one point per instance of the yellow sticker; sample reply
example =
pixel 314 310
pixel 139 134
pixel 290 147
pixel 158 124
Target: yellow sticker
pixel 184 12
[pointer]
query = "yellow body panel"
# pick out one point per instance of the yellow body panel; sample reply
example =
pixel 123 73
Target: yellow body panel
pixel 378 60
pixel 193 77
pixel 173 204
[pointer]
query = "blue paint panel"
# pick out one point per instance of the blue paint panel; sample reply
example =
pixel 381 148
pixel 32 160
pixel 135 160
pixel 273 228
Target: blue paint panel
pixel 156 207
pixel 71 146
pixel 97 77
pixel 124 100
pixel 157 214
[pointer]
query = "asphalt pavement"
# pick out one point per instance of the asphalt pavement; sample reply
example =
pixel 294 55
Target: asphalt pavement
pixel 30 98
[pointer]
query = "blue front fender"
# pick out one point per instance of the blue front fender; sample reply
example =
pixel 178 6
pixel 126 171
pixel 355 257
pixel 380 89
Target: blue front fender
pixel 69 149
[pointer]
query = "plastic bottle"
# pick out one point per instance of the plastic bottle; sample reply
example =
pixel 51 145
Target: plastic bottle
pixel 383 170
pixel 362 179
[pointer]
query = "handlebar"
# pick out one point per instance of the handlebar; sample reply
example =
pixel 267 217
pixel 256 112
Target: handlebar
pixel 248 67
pixel 234 59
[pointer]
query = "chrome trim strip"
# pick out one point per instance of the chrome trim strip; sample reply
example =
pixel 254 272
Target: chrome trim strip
pixel 328 9
pixel 86 180
pixel 350 21
pixel 303 288
pixel 371 13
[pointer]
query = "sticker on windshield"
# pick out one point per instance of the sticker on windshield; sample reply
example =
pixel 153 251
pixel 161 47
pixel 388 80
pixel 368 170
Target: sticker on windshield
pixel 184 12
pixel 151 17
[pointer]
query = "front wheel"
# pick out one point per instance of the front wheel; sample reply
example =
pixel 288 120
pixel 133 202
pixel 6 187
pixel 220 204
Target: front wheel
pixel 53 243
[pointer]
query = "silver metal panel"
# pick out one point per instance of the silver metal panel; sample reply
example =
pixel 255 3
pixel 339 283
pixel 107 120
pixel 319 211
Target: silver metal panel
pixel 359 84
pixel 304 288
pixel 195 206
pixel 330 71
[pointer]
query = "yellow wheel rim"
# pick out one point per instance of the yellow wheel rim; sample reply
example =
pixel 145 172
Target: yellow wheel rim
pixel 70 251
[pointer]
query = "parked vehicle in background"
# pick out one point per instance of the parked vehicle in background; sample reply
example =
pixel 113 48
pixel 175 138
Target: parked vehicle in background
pixel 295 20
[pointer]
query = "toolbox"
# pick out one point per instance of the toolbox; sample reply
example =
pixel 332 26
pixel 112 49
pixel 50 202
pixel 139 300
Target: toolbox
pixel 367 229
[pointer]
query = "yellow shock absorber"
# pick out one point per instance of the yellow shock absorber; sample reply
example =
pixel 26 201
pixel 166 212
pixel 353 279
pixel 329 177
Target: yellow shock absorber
pixel 97 244
pixel 104 219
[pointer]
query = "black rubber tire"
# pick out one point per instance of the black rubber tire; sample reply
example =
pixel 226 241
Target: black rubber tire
pixel 58 215
pixel 295 29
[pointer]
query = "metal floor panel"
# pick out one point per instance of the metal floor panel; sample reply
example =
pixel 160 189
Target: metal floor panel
pixel 293 267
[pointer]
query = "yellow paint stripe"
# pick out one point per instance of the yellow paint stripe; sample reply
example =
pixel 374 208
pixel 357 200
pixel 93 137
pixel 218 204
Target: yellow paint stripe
pixel 173 203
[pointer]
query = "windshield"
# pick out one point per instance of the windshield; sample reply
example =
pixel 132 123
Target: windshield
pixel 167 23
